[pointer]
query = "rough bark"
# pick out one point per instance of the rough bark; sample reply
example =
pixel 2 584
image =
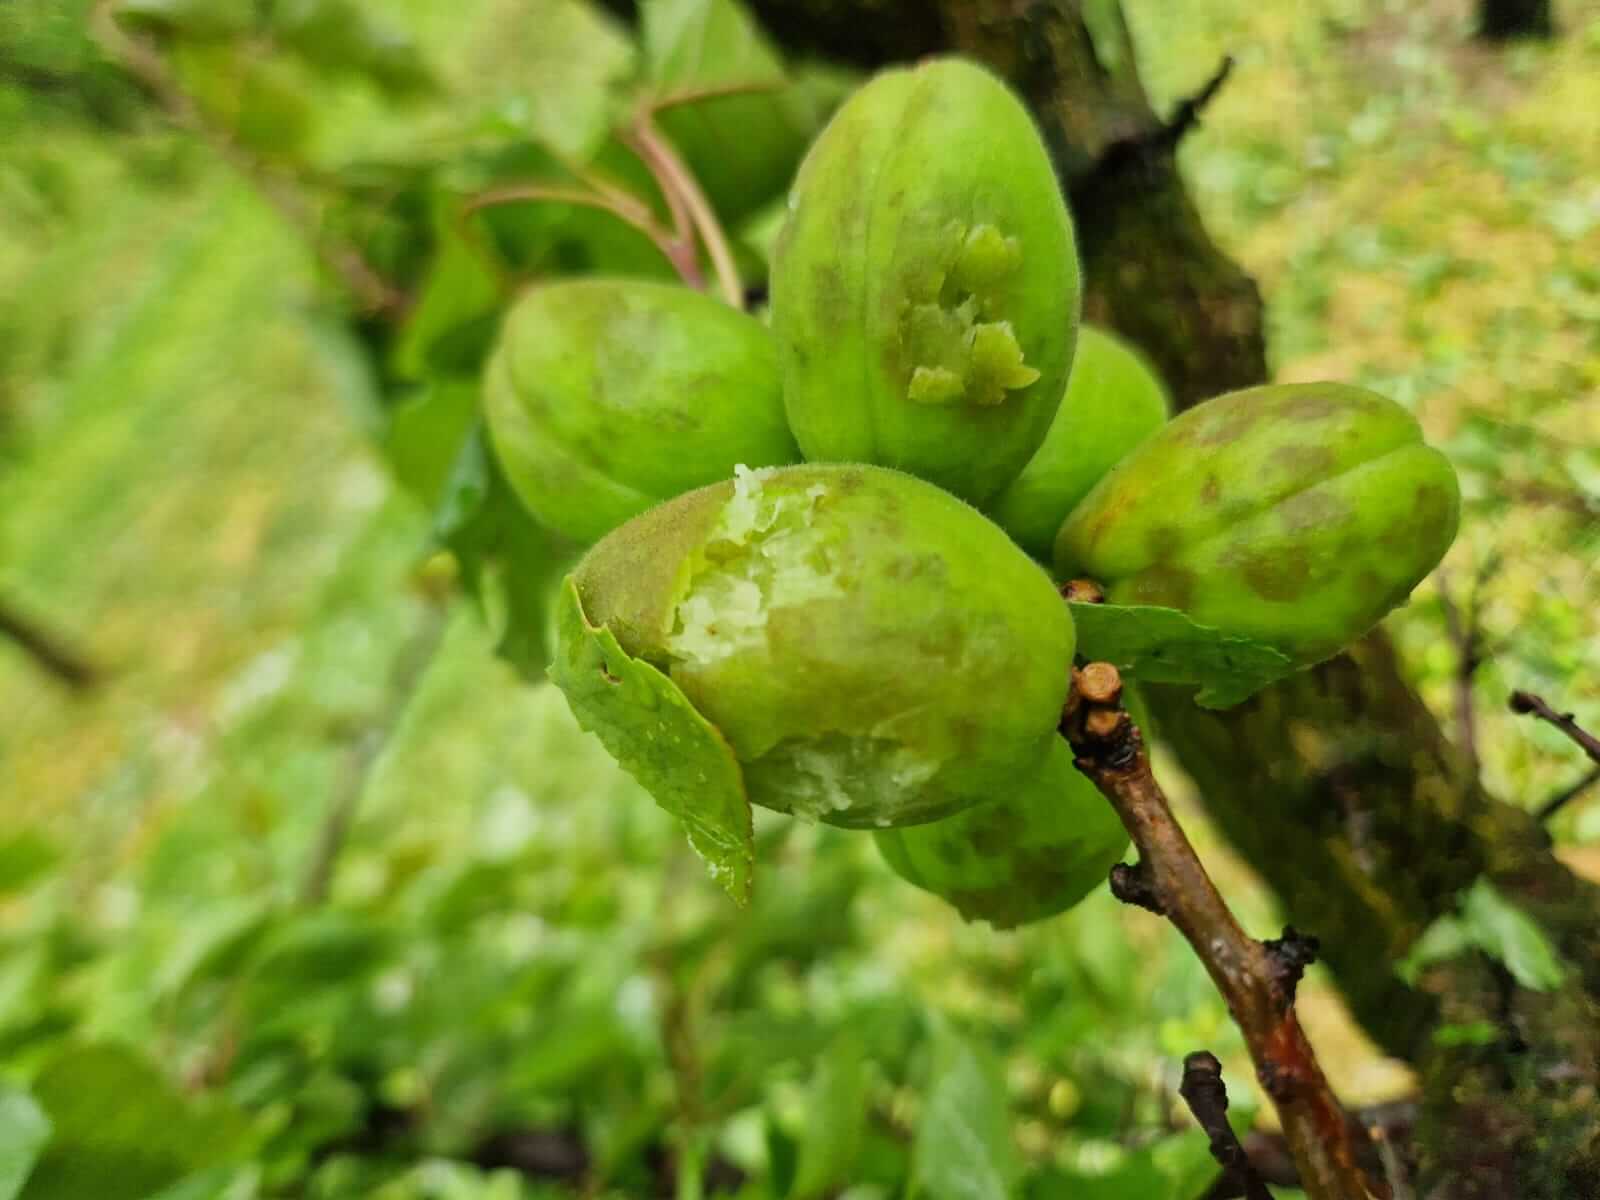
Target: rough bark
pixel 1501 20
pixel 1337 785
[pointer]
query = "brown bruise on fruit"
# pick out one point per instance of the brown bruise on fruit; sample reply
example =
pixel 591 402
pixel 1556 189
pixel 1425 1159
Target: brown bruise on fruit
pixel 954 341
pixel 1279 574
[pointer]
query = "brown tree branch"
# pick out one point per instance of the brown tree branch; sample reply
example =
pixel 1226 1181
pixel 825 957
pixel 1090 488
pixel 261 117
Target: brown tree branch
pixel 1390 1127
pixel 1465 629
pixel 1529 704
pixel 1206 1095
pixel 1256 979
pixel 1568 794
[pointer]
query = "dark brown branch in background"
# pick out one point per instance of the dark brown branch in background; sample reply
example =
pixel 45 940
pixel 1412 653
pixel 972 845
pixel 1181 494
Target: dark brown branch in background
pixel 1256 979
pixel 1206 1095
pixel 48 650
pixel 1165 136
pixel 1466 633
pixel 1568 794
pixel 1391 1131
pixel 1530 705
pixel 1501 20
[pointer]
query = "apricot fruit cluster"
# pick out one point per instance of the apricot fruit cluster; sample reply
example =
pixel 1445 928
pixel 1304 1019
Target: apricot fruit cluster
pixel 789 599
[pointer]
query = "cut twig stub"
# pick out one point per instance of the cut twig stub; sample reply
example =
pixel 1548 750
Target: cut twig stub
pixel 1131 883
pixel 1206 1095
pixel 1289 956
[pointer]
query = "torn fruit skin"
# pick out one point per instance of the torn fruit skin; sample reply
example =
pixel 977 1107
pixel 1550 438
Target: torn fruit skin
pixel 925 288
pixel 875 651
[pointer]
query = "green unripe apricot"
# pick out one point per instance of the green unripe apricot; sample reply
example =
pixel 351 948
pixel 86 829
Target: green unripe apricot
pixel 925 286
pixel 875 652
pixel 607 396
pixel 1028 855
pixel 1113 402
pixel 1296 514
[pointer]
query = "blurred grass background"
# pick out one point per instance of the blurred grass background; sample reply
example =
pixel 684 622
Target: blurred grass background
pixel 187 485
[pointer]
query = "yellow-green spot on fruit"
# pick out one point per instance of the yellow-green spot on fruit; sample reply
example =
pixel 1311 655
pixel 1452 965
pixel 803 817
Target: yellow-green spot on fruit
pixel 873 651
pixel 987 258
pixel 1114 401
pixel 925 287
pixel 961 359
pixel 606 396
pixel 1296 515
pixel 1026 855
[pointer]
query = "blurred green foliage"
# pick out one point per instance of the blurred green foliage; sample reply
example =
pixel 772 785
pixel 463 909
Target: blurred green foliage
pixel 519 975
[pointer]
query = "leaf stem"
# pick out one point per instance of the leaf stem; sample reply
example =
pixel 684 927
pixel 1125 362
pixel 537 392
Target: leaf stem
pixel 625 208
pixel 675 178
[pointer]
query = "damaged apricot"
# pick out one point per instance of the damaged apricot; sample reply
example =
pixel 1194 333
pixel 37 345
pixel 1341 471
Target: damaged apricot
pixel 925 287
pixel 874 652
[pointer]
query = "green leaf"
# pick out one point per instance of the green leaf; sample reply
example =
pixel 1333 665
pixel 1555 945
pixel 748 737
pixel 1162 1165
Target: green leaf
pixel 509 563
pixel 963 1146
pixel 701 43
pixel 338 36
pixel 426 433
pixel 1504 932
pixel 204 19
pixel 264 103
pixel 1445 939
pixel 122 1130
pixel 836 1118
pixel 742 148
pixel 25 857
pixel 650 727
pixel 579 62
pixel 24 1130
pixel 1471 1033
pixel 1178 1167
pixel 457 310
pixel 1162 645
pixel 1488 922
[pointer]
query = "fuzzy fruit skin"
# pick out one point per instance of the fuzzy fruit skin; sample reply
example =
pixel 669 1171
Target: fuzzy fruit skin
pixel 1296 514
pixel 926 244
pixel 1113 402
pixel 1028 855
pixel 607 396
pixel 875 652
